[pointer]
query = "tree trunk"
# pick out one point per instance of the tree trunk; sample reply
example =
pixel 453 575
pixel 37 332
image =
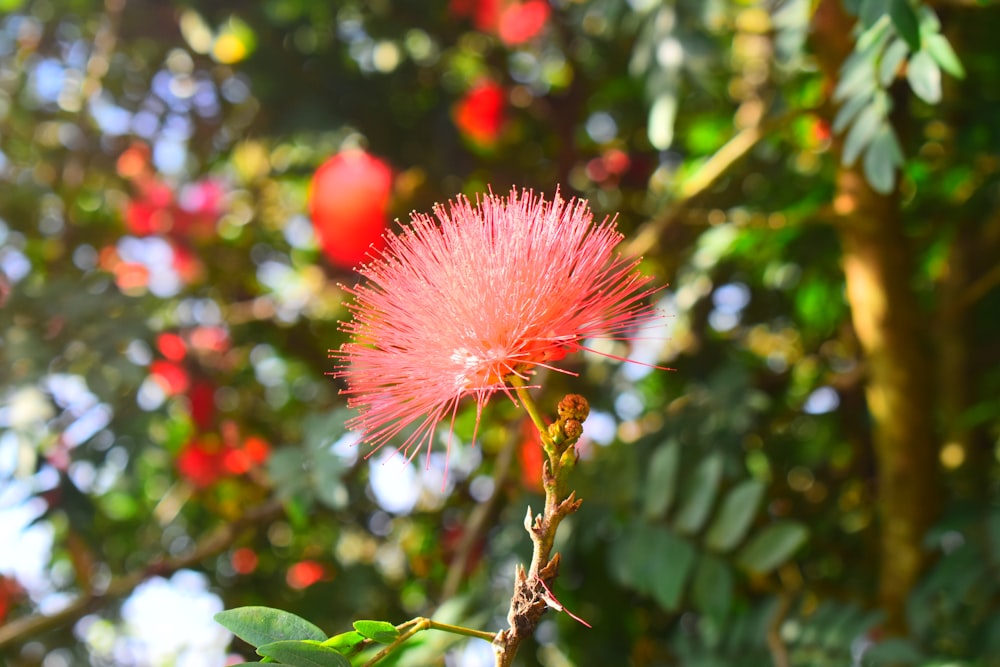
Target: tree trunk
pixel 891 330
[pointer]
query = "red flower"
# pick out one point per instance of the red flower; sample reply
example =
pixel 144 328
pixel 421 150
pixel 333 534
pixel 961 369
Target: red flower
pixel 485 13
pixel 171 346
pixel 200 462
pixel 202 399
pixel 244 560
pixel 480 115
pixel 521 22
pixel 498 289
pixel 348 204
pixel 305 573
pixel 171 377
pixel 240 459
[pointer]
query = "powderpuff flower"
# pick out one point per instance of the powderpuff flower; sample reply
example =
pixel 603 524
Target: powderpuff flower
pixel 495 290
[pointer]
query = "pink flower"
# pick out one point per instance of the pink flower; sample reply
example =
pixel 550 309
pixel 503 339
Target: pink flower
pixel 497 289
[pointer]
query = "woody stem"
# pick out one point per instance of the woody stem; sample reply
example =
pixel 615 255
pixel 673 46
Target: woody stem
pixel 531 595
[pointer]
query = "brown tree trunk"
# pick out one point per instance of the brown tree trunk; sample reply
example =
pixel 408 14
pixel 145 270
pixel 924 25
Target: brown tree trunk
pixel 891 330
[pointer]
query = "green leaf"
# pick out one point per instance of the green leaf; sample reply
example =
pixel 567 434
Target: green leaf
pixel 661 480
pixel 773 546
pixel 671 559
pixel 345 641
pixel 893 57
pixel 881 160
pixel 939 48
pixel 848 111
pixel 924 76
pixel 856 77
pixel 303 654
pixel 871 11
pixel 380 631
pixel 862 132
pixel 699 494
pixel 905 20
pixel 735 515
pixel 263 625
pixel 712 588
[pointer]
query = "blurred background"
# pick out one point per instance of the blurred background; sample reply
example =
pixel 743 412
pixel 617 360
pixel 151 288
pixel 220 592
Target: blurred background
pixel 184 186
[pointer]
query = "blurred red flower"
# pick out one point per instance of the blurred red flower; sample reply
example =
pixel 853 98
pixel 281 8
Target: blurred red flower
pixel 305 573
pixel 244 560
pixel 200 462
pixel 348 204
pixel 171 377
pixel 480 114
pixel 485 14
pixel 513 22
pixel 520 22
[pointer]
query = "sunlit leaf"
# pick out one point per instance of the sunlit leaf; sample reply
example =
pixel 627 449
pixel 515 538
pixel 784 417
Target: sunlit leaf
pixel 939 48
pixel 892 58
pixel 345 641
pixel 924 77
pixel 881 160
pixel 380 631
pixel 862 132
pixel 263 625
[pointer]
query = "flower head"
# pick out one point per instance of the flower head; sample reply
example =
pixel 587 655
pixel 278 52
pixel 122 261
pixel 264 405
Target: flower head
pixel 497 289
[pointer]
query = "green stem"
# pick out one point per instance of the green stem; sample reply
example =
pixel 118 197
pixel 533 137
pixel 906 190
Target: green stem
pixel 419 624
pixel 532 409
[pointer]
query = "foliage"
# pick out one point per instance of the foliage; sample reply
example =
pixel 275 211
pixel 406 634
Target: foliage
pixel 166 311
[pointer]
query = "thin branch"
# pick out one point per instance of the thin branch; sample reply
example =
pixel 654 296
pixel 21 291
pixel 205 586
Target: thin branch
pixel 713 169
pixel 21 630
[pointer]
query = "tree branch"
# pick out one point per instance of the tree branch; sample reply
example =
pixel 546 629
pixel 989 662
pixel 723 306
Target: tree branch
pixel 19 631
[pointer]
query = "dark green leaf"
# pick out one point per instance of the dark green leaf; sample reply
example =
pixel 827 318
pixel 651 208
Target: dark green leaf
pixel 712 588
pixel 303 654
pixel 661 480
pixel 940 50
pixel 870 11
pixel 893 652
pixel 773 546
pixel 699 494
pixel 345 641
pixel 672 558
pixel 924 76
pixel 380 631
pixel 263 625
pixel 735 515
pixel 905 20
